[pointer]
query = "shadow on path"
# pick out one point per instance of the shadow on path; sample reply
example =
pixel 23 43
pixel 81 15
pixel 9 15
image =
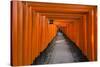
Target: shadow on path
pixel 60 50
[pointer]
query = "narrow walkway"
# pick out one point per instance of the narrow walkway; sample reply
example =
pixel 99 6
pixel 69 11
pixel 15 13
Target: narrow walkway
pixel 61 50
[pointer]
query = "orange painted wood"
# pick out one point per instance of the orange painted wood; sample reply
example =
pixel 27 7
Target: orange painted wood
pixel 27 35
pixel 14 35
pixel 31 33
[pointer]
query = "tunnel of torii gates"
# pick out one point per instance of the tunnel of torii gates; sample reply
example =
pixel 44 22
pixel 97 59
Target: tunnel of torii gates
pixel 72 29
pixel 34 25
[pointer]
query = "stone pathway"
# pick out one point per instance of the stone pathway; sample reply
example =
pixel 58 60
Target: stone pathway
pixel 60 50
